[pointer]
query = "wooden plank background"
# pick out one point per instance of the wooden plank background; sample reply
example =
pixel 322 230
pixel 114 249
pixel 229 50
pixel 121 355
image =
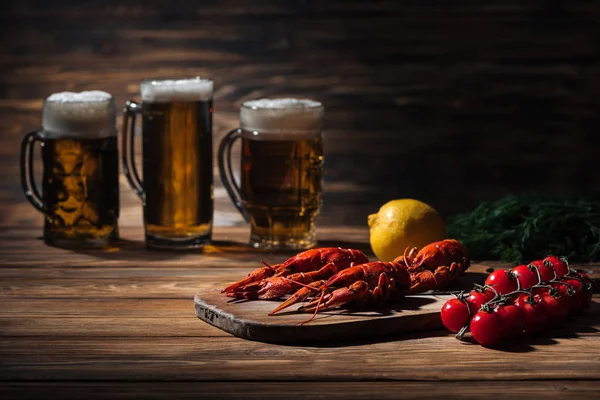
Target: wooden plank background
pixel 448 102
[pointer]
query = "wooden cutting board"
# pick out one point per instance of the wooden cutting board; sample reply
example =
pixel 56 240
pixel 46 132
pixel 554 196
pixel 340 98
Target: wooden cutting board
pixel 250 319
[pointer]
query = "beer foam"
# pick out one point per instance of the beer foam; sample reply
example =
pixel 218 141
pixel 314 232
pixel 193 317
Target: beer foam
pixel 162 91
pixel 282 116
pixel 88 114
pixel 92 96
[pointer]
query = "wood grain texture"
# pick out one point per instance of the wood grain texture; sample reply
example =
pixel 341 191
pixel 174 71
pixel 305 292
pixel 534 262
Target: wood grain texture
pixel 67 326
pixel 435 356
pixel 562 389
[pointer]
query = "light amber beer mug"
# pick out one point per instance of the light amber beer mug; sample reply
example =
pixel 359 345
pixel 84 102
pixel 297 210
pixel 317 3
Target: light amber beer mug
pixel 280 188
pixel 177 182
pixel 80 183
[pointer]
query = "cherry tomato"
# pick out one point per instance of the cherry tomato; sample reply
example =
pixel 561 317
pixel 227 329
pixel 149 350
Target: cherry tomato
pixel 563 289
pixel 455 314
pixel 527 276
pixel 546 272
pixel 477 298
pixel 575 300
pixel 539 290
pixel 589 287
pixel 513 319
pixel 486 328
pixel 557 307
pixel 583 295
pixel 536 314
pixel 560 266
pixel 586 296
pixel 502 280
pixel 584 276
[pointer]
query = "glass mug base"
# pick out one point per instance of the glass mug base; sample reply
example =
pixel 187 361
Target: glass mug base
pixel 171 243
pixel 86 242
pixel 280 243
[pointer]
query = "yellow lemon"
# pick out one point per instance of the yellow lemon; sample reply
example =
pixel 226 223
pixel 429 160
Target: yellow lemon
pixel 404 223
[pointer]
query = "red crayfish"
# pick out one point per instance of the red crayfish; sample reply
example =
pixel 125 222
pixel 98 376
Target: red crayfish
pixel 332 277
pixel 374 283
pixel 274 281
pixel 436 264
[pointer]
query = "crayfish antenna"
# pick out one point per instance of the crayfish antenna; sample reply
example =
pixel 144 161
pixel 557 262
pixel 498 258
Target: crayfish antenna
pixel 268 266
pixel 407 260
pixel 300 295
pixel 316 311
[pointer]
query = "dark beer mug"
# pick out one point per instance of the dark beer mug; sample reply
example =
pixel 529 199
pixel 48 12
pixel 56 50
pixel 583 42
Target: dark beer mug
pixel 281 171
pixel 177 188
pixel 80 184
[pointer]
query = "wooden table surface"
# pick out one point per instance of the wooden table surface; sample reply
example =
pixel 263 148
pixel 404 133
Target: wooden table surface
pixel 121 324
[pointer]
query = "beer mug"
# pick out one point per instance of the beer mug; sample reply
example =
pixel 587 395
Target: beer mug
pixel 177 185
pixel 281 171
pixel 80 183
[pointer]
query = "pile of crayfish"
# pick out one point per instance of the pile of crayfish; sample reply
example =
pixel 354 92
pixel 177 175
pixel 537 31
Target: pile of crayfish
pixel 520 301
pixel 333 277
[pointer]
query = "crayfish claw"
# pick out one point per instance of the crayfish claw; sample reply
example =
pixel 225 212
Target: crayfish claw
pixel 422 282
pixel 252 291
pixel 339 297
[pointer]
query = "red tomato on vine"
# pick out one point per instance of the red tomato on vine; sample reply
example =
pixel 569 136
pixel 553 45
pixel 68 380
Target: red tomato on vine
pixel 526 276
pixel 455 314
pixel 536 314
pixel 478 298
pixel 513 319
pixel 557 307
pixel 502 280
pixel 486 328
pixel 546 272
pixel 559 264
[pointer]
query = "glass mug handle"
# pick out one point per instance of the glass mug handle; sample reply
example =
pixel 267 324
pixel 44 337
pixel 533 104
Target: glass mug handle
pixel 130 110
pixel 226 171
pixel 27 180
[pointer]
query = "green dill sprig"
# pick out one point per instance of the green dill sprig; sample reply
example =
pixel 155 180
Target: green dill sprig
pixel 522 228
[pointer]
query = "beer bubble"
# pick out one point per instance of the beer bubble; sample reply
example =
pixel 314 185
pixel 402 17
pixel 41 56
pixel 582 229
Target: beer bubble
pixel 87 114
pixel 282 117
pixel 166 90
